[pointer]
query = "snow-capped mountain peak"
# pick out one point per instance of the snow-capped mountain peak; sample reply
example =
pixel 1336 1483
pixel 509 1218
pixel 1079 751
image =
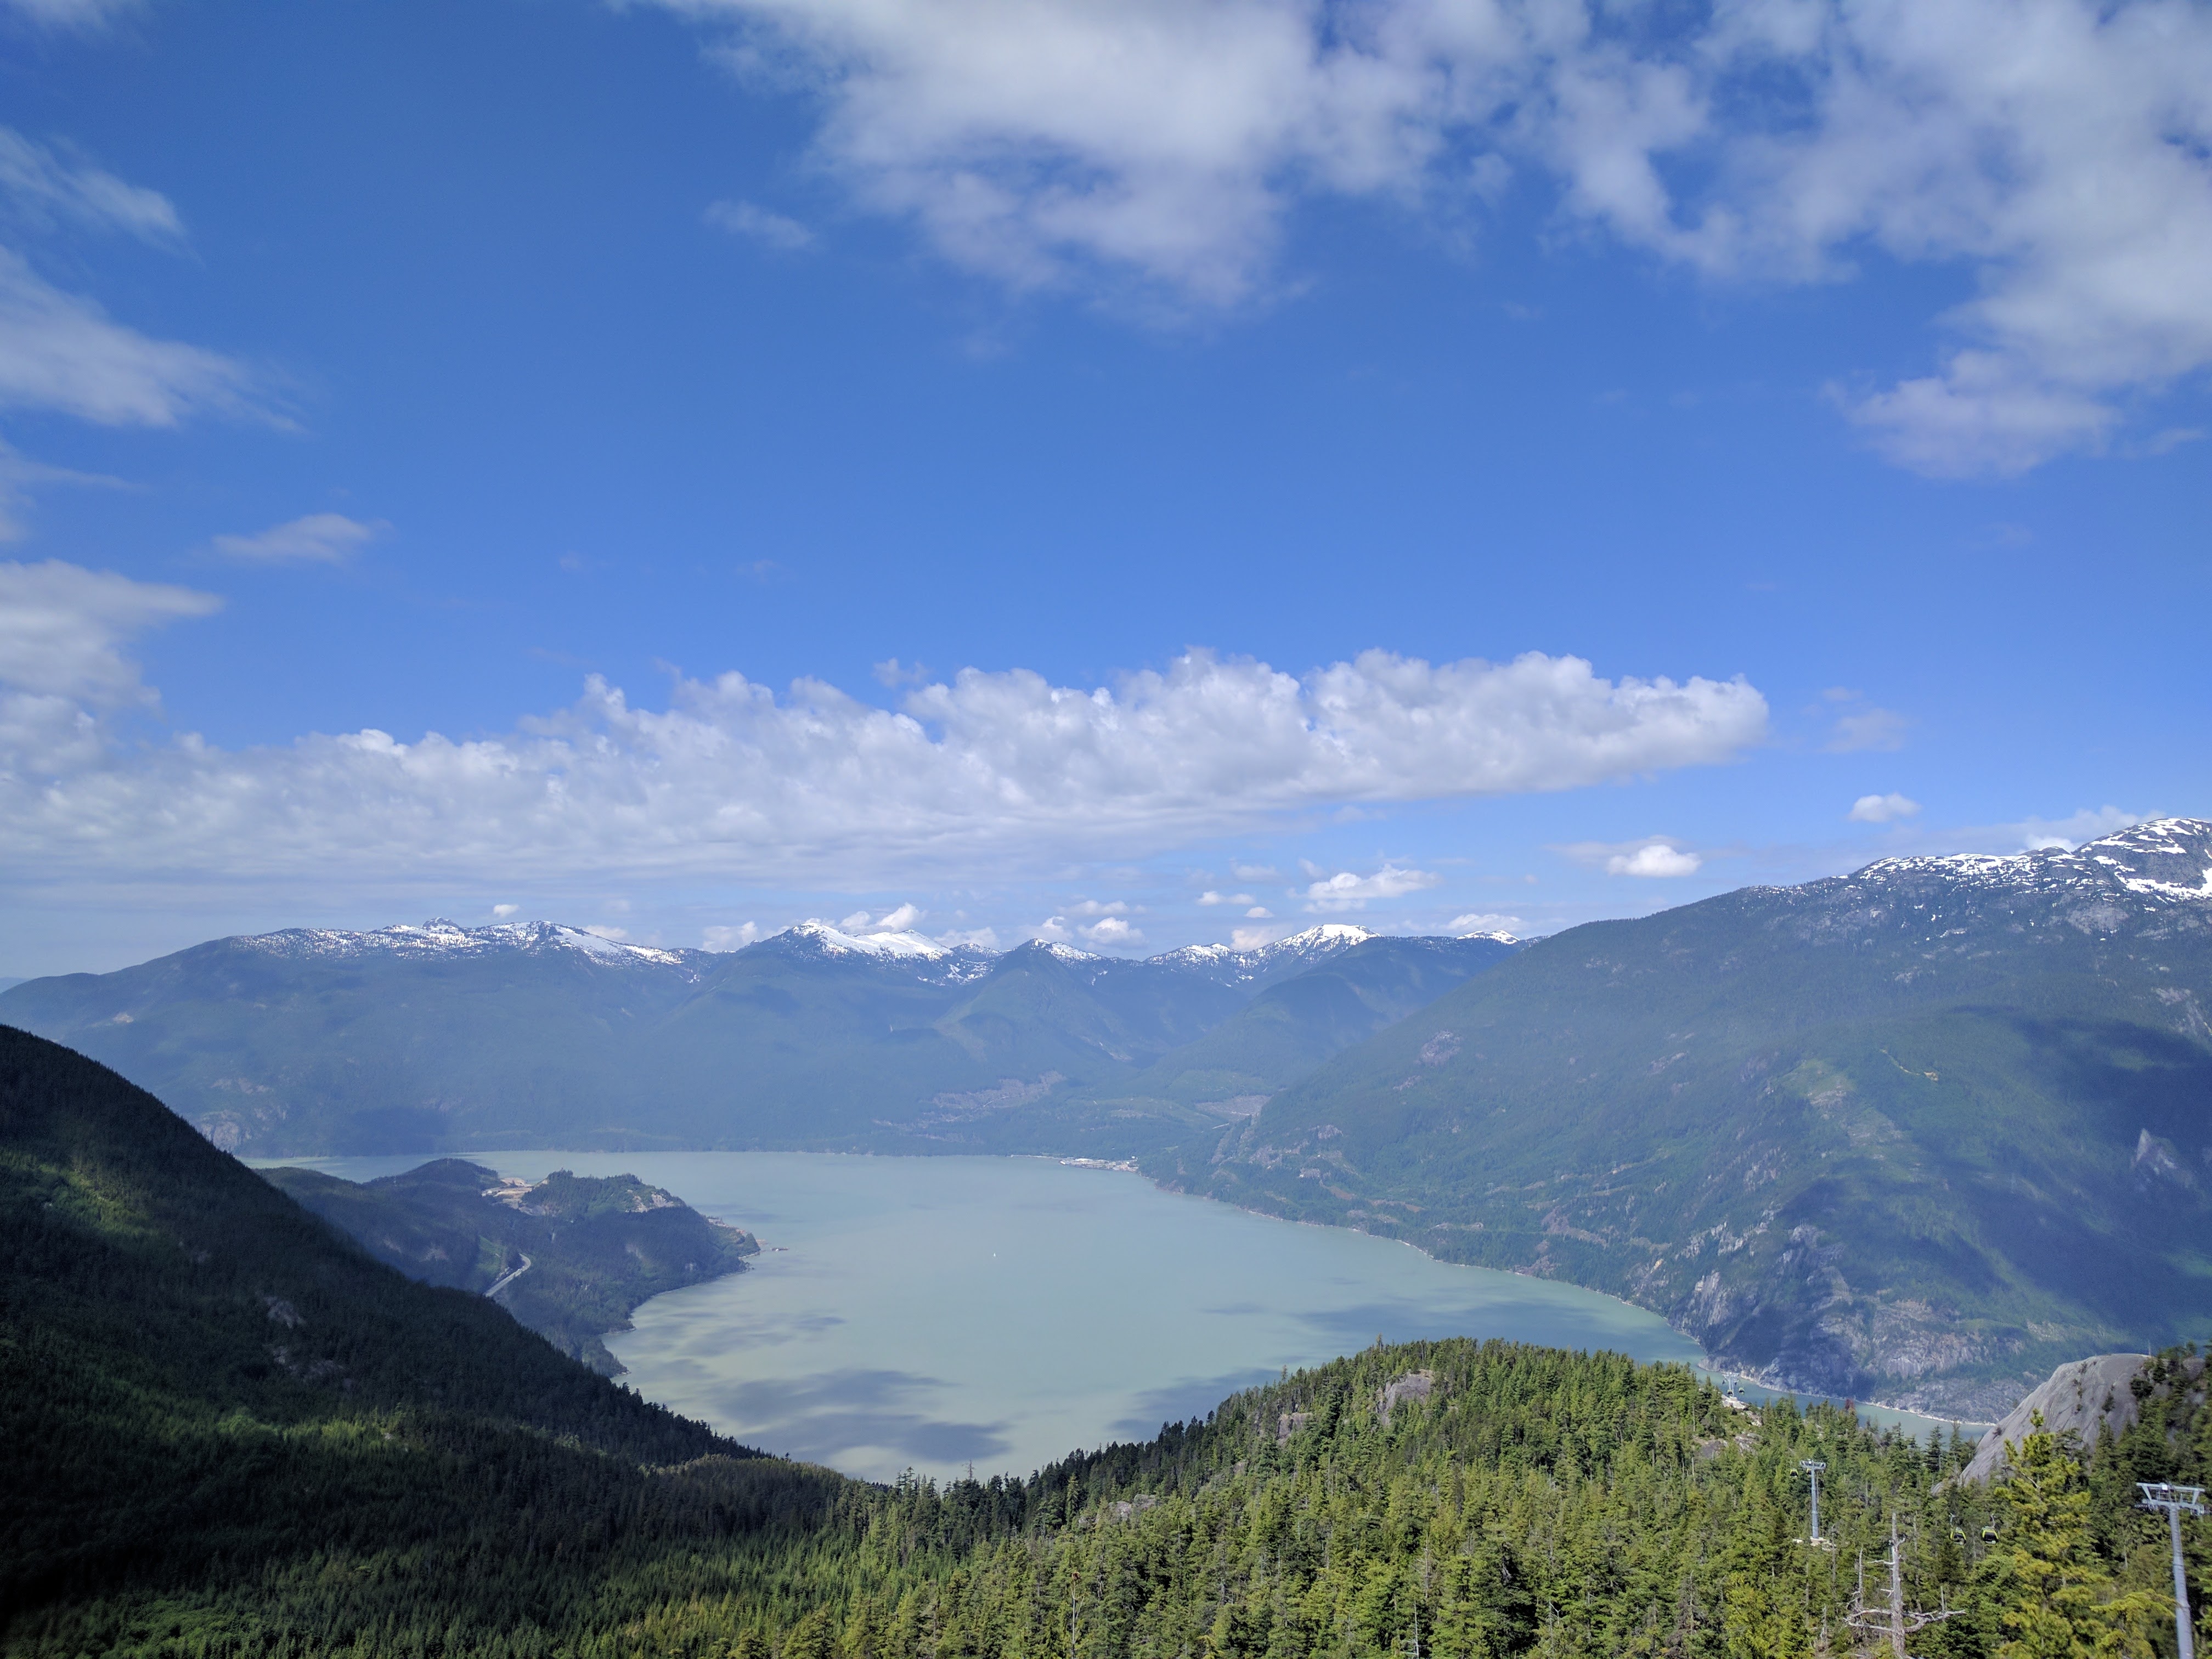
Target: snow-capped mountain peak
pixel 2162 859
pixel 834 941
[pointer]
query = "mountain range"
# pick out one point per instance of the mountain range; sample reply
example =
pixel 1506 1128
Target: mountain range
pixel 443 1039
pixel 1918 1134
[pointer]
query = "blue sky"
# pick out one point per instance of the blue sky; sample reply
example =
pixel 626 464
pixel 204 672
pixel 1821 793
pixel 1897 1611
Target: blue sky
pixel 448 370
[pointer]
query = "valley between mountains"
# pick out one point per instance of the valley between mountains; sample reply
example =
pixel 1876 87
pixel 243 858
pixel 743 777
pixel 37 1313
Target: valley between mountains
pixel 1918 1134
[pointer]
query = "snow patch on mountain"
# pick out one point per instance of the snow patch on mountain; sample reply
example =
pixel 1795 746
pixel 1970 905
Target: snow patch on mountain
pixel 441 938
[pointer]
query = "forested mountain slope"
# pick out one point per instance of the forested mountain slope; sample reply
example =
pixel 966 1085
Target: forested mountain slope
pixel 188 1357
pixel 223 1431
pixel 1296 1023
pixel 1918 1134
pixel 569 1257
pixel 440 1038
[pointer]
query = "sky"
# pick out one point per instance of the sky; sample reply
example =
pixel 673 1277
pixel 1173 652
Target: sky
pixel 1125 471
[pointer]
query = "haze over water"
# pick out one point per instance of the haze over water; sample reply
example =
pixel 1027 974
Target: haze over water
pixel 930 1312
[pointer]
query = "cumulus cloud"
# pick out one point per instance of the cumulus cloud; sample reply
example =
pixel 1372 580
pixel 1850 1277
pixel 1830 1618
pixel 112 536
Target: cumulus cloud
pixel 757 224
pixel 1211 897
pixel 1347 891
pixel 732 781
pixel 1259 912
pixel 2058 150
pixel 1112 932
pixel 1094 907
pixel 318 539
pixel 1654 856
pixel 1882 809
pixel 725 937
pixel 983 939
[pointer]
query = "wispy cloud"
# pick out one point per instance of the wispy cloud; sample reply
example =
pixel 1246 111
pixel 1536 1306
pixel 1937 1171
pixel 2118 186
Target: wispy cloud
pixel 61 352
pixel 318 539
pixel 757 224
pixel 43 188
pixel 2059 150
pixel 83 16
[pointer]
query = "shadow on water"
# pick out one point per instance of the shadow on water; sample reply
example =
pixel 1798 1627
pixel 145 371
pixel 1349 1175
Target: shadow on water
pixel 1178 1402
pixel 835 1415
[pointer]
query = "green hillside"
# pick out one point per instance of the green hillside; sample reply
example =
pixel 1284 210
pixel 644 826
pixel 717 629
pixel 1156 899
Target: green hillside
pixel 569 1257
pixel 224 1431
pixel 1918 1133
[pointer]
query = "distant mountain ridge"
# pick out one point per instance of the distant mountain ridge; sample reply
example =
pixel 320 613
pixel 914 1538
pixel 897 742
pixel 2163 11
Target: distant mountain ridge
pixel 1918 1134
pixel 440 1038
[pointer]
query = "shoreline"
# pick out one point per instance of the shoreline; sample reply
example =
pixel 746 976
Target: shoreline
pixel 1706 1365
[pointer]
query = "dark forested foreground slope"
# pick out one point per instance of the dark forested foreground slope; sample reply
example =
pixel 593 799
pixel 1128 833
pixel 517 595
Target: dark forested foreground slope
pixel 191 1366
pixel 1918 1133
pixel 569 1257
pixel 440 1038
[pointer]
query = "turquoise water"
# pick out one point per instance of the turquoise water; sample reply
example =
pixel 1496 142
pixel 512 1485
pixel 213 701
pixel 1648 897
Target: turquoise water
pixel 931 1313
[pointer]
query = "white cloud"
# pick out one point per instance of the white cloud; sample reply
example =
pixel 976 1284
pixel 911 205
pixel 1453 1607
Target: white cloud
pixel 757 224
pixel 1870 728
pixel 44 191
pixel 1211 897
pixel 856 923
pixel 723 937
pixel 1482 922
pixel 60 351
pixel 1113 931
pixel 1346 892
pixel 983 938
pixel 1882 809
pixel 1053 930
pixel 81 15
pixel 318 539
pixel 17 475
pixel 898 920
pixel 2086 825
pixel 63 628
pixel 2058 151
pixel 1259 912
pixel 1093 907
pixel 732 781
pixel 502 912
pixel 1254 871
pixel 1653 856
